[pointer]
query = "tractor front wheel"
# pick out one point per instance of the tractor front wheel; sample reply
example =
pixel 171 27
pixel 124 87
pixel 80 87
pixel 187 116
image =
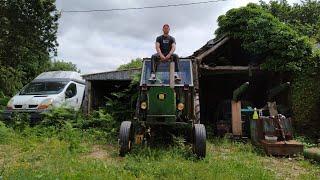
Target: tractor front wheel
pixel 199 140
pixel 125 137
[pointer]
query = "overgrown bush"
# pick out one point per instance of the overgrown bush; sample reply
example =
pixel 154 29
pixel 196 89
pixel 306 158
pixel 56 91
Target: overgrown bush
pixel 58 117
pixel 100 122
pixel 3 102
pixel 122 105
pixel 65 124
pixel 19 121
pixel 306 102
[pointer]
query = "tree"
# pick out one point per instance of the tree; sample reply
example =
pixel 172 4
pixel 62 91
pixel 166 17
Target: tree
pixel 10 80
pixel 27 36
pixel 134 63
pixel 261 34
pixel 57 65
pixel 303 17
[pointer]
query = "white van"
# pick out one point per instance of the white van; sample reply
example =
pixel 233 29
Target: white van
pixel 49 89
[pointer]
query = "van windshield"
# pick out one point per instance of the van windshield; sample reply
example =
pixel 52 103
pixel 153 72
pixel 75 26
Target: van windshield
pixel 43 88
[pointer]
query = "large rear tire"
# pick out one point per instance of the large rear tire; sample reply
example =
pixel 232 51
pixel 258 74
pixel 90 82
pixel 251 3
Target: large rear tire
pixel 125 137
pixel 199 140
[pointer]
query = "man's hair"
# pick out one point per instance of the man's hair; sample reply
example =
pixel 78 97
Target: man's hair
pixel 166 25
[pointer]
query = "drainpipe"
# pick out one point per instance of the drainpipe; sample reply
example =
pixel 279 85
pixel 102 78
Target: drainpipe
pixel 277 90
pixel 239 91
pixel 236 110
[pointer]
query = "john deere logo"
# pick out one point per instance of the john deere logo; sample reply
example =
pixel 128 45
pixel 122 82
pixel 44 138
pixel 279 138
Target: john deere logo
pixel 161 96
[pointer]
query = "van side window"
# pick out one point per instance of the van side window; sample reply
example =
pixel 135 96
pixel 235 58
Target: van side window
pixel 71 90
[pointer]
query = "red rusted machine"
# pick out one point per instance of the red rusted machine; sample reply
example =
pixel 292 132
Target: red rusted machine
pixel 277 136
pixel 274 132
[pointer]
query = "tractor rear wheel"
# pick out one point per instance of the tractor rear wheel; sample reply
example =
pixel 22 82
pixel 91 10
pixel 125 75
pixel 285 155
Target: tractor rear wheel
pixel 125 137
pixel 199 140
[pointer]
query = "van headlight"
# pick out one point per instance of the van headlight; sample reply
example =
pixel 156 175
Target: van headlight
pixel 10 104
pixel 45 103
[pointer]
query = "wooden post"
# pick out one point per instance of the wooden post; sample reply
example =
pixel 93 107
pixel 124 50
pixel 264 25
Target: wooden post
pixel 89 96
pixel 272 106
pixel 236 118
pixel 172 74
pixel 196 95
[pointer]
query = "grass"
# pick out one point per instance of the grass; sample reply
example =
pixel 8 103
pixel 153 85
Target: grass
pixel 73 154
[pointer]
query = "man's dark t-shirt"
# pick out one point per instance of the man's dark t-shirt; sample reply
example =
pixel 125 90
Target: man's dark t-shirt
pixel 165 43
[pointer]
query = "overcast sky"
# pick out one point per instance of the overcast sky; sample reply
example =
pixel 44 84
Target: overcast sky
pixel 102 41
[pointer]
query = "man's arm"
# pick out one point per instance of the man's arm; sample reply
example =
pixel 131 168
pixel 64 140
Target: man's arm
pixel 159 51
pixel 173 48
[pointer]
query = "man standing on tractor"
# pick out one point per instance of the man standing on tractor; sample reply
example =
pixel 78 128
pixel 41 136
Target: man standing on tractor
pixel 165 47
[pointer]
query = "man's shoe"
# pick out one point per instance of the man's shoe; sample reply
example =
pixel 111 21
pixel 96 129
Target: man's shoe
pixel 152 77
pixel 176 77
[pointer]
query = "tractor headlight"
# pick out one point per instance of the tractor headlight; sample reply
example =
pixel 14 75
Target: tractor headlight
pixel 45 104
pixel 143 105
pixel 180 106
pixel 161 96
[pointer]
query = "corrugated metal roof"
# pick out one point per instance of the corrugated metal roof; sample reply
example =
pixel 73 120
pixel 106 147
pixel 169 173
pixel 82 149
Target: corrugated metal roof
pixel 119 75
pixel 207 46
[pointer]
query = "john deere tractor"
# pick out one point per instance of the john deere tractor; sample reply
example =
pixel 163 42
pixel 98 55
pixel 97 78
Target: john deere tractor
pixel 165 105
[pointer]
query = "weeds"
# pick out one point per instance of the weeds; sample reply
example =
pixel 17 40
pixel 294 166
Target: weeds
pixel 58 148
pixel 308 143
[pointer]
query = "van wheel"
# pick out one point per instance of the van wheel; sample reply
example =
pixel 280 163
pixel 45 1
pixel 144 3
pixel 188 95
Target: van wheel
pixel 199 140
pixel 125 138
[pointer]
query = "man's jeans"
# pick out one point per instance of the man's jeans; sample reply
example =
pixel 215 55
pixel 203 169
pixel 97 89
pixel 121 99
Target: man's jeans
pixel 155 60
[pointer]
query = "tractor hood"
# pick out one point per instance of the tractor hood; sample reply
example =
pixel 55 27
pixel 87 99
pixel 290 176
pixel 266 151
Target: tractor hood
pixel 161 102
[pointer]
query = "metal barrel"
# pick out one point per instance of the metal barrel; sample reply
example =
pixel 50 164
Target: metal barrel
pixel 256 130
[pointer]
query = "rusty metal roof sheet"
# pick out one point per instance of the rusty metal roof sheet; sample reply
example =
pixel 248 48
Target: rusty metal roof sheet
pixel 119 75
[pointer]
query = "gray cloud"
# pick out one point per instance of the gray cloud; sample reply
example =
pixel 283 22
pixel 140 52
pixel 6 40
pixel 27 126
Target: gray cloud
pixel 101 41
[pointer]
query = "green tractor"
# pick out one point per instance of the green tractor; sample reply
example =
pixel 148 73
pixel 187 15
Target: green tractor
pixel 164 105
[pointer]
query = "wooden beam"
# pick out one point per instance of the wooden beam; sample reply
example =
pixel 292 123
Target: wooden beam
pixel 212 49
pixel 229 69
